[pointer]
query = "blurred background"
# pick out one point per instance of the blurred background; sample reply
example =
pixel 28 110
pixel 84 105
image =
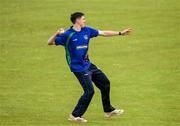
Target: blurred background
pixel 37 87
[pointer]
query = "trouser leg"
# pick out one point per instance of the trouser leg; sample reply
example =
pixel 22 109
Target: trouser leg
pixel 103 83
pixel 83 103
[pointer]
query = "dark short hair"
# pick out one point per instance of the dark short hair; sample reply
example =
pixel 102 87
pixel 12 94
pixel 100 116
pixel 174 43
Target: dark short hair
pixel 76 15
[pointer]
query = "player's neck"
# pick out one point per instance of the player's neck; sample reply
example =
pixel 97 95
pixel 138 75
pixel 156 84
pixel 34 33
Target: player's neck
pixel 77 27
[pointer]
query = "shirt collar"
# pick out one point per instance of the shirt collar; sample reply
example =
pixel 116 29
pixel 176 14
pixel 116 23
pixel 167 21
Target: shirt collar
pixel 71 27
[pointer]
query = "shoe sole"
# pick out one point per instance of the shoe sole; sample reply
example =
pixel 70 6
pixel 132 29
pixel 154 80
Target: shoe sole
pixel 72 120
pixel 113 114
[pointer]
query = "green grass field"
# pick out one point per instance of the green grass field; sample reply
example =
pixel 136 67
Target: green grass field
pixel 37 88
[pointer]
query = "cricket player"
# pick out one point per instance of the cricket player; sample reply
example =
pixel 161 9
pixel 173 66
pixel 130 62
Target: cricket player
pixel 76 43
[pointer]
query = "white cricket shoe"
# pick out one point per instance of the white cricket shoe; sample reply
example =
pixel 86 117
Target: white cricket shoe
pixel 76 119
pixel 115 112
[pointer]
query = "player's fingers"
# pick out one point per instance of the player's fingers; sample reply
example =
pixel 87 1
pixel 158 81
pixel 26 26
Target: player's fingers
pixel 129 29
pixel 61 29
pixel 128 32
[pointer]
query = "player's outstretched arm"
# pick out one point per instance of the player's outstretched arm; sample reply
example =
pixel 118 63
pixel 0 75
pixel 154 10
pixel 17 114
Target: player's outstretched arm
pixel 107 33
pixel 51 40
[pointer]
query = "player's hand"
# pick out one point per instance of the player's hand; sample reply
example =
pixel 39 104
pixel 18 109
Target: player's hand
pixel 126 31
pixel 60 31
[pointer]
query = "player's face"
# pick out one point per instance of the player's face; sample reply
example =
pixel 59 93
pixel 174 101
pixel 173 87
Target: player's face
pixel 81 21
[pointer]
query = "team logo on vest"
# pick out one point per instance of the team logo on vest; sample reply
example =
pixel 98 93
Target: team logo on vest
pixel 81 47
pixel 85 37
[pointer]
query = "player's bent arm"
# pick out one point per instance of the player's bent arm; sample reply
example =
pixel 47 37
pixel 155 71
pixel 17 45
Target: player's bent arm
pixel 107 33
pixel 51 40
